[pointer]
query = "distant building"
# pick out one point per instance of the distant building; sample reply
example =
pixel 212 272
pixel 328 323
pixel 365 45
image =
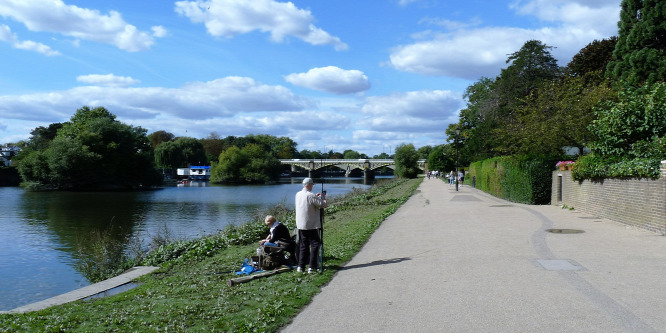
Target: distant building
pixel 194 173
pixel 6 154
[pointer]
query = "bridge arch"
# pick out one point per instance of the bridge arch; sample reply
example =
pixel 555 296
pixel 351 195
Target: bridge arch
pixel 366 165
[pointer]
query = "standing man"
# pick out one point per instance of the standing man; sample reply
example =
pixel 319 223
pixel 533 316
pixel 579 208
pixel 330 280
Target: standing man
pixel 308 222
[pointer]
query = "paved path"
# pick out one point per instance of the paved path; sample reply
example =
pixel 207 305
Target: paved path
pixel 465 261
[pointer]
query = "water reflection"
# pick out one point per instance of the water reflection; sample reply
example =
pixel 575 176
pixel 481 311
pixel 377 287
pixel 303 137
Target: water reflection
pixel 43 231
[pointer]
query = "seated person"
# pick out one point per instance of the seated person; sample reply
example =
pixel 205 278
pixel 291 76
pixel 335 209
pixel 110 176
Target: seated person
pixel 279 237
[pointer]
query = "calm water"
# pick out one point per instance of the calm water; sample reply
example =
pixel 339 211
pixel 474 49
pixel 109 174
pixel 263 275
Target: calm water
pixel 40 232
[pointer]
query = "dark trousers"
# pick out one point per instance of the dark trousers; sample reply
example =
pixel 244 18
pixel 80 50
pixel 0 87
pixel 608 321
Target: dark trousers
pixel 310 241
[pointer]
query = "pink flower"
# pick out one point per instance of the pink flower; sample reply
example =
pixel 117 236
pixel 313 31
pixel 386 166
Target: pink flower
pixel 560 163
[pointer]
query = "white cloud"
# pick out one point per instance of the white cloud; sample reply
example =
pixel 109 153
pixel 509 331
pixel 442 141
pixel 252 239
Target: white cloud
pixel 159 31
pixel 6 35
pixel 472 53
pixel 331 79
pixel 415 111
pixel 428 104
pixel 228 18
pixel 69 20
pixel 221 98
pixel 108 80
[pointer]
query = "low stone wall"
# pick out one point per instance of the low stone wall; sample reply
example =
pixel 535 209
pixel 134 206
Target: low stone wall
pixel 636 202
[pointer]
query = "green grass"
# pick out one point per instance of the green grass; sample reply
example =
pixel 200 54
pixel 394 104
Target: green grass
pixel 189 292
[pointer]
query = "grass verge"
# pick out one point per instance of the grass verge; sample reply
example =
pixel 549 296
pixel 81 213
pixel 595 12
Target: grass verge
pixel 189 291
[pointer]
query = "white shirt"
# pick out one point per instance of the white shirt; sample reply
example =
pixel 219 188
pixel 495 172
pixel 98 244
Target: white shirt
pixel 307 210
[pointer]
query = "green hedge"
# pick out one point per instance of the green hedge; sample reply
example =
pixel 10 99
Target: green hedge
pixel 515 178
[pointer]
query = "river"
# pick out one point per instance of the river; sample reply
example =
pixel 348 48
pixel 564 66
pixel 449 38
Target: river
pixel 40 232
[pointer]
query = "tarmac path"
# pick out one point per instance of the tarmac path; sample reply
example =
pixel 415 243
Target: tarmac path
pixel 464 261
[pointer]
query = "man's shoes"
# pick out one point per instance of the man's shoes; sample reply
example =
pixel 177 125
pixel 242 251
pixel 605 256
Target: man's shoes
pixel 299 269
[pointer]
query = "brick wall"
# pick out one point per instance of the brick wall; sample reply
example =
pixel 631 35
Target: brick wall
pixel 636 202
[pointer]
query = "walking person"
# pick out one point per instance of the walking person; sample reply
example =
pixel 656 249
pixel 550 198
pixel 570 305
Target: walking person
pixel 308 222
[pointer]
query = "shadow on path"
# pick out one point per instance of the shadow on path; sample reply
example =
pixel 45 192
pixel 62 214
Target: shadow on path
pixel 375 263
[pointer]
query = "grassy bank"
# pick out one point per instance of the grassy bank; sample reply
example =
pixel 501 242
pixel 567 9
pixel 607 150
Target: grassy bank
pixel 189 291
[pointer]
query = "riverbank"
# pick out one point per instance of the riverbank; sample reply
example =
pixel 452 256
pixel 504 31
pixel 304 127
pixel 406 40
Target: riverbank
pixel 189 293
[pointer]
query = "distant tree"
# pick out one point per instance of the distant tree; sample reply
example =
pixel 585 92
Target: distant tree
pixel 640 54
pixel 424 152
pixel 251 164
pixel 382 156
pixel 213 146
pixel 193 151
pixel 351 154
pixel 437 159
pixel 280 147
pixel 168 155
pixel 406 161
pixel 93 151
pixel 180 153
pixel 42 136
pixel 158 137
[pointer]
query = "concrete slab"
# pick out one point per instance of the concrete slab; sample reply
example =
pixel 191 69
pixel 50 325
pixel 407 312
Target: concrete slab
pixel 87 291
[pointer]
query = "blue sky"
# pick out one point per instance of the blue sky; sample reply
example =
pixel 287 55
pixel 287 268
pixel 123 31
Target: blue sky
pixel 334 74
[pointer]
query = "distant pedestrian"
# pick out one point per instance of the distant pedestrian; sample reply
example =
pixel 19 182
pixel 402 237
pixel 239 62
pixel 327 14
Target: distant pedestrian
pixel 461 176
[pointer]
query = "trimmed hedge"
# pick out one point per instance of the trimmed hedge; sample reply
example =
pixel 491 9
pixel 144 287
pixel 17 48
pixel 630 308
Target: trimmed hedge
pixel 515 178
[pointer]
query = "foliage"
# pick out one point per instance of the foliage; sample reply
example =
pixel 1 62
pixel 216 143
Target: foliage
pixel 592 60
pixel 636 120
pixel 525 179
pixel 251 164
pixel 42 136
pixel 488 124
pixel 158 137
pixel 596 168
pixel 557 115
pixel 406 161
pixel 424 152
pixel 192 289
pixel 213 147
pixel 640 53
pixel 439 158
pixel 92 151
pixel 351 154
pixel 180 153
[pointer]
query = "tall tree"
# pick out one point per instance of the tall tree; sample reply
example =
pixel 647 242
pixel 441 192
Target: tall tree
pixel 406 161
pixel 593 59
pixel 640 53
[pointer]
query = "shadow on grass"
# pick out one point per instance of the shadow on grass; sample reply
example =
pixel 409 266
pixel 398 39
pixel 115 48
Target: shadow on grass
pixel 374 263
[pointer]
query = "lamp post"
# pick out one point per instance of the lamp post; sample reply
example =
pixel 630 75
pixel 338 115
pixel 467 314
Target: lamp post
pixel 456 139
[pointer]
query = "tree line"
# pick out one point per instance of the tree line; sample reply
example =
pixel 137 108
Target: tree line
pixel 94 151
pixel 610 98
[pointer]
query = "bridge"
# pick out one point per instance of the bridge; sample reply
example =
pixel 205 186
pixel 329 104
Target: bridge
pixel 368 166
